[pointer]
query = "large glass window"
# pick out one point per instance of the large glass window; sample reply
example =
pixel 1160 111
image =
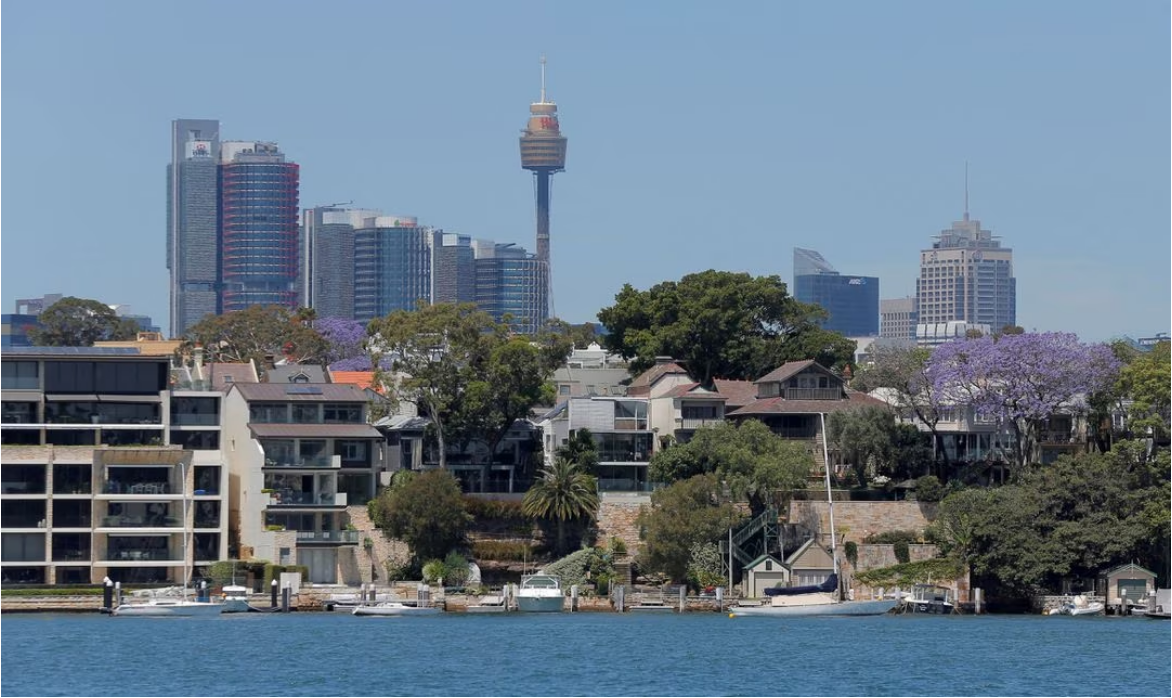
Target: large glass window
pixel 196 440
pixel 72 479
pixel 20 412
pixel 23 514
pixel 71 513
pixel 355 454
pixel 278 452
pixel 312 453
pixel 20 437
pixel 22 479
pixel 268 413
pixel 342 414
pixel 68 547
pixel 20 375
pixel 23 547
pixel 624 448
pixel 305 414
pixel 195 411
pixel 107 377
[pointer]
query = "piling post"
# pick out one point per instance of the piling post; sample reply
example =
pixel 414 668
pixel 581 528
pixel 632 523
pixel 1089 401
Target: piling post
pixel 619 594
pixel 273 594
pixel 683 598
pixel 573 598
pixel 720 599
pixel 978 601
pixel 117 593
pixel 285 591
pixel 107 595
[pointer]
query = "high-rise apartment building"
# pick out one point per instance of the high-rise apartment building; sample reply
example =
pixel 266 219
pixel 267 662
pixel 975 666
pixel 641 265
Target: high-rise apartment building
pixel 510 281
pixel 453 269
pixel 897 318
pixel 192 222
pixel 258 226
pixel 327 258
pixel 392 266
pixel 967 276
pixel 851 301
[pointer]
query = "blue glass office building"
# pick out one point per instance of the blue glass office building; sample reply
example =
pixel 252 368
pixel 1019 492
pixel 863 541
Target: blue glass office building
pixel 511 282
pixel 392 266
pixel 851 301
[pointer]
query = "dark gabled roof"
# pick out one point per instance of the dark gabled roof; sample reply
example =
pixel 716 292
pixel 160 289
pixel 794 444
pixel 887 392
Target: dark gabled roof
pixel 1131 565
pixel 790 368
pixel 320 431
pixel 643 382
pixel 693 391
pixel 300 392
pixel 762 558
pixel 778 405
pixel 736 393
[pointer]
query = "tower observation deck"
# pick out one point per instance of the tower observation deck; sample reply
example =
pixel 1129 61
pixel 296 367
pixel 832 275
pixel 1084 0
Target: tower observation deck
pixel 543 152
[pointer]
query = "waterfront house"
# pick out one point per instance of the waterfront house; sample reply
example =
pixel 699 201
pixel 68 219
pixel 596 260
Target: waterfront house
pixel 299 454
pixel 1126 584
pixel 763 573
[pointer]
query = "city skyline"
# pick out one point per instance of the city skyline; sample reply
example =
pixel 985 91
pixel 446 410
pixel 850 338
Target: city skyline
pixel 702 140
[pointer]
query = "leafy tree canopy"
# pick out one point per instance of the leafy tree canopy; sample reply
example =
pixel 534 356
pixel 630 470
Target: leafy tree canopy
pixel 753 462
pixel 345 343
pixel 1022 379
pixel 903 371
pixel 1077 517
pixel 425 511
pixel 682 515
pixel 865 437
pixel 1146 380
pixel 79 322
pixel 721 325
pixel 470 375
pixel 257 332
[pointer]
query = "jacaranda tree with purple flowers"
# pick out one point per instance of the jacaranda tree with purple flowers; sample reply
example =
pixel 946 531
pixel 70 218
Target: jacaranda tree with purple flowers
pixel 1022 379
pixel 347 343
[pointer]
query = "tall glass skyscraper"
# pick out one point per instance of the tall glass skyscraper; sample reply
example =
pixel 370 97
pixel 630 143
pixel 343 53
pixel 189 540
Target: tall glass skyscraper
pixel 258 226
pixel 193 249
pixel 327 258
pixel 851 301
pixel 392 266
pixel 511 282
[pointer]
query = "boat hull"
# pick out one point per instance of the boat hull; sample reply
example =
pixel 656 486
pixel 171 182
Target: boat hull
pixel 164 610
pixel 540 604
pixel 876 607
pixel 231 605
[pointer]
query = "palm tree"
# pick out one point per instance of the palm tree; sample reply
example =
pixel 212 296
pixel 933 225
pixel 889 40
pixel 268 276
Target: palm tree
pixel 563 492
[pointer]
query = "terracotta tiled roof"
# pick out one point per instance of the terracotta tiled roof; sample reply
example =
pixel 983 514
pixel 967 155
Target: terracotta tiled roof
pixel 301 392
pixel 777 405
pixel 790 368
pixel 737 393
pixel 362 379
pixel 694 391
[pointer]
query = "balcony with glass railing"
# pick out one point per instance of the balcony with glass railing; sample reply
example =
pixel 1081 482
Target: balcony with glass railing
pixel 327 537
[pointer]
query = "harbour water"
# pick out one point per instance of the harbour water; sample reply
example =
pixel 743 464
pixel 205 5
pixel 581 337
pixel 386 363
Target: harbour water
pixel 602 654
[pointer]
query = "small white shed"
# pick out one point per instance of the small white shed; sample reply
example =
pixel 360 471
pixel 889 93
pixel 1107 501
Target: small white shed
pixel 762 573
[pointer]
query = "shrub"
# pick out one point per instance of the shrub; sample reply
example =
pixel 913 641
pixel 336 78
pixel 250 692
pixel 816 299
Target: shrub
pixel 889 537
pixel 929 489
pixel 902 553
pixel 503 550
pixel 851 550
pixel 906 574
pixel 495 510
pixel 618 546
pixel 455 569
pixel 433 571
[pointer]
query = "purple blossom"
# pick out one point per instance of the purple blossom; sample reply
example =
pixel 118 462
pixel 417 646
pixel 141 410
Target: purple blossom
pixel 347 339
pixel 1022 379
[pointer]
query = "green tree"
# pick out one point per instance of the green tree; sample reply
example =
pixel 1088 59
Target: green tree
pixel 754 463
pixel 1075 517
pixel 721 325
pixel 255 333
pixel 426 512
pixel 864 437
pixel 681 516
pixel 581 450
pixel 563 494
pixel 468 374
pixel 79 322
pixel 1146 380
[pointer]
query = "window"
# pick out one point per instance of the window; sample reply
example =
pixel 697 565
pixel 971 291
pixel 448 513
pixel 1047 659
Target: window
pixel 354 452
pixel 305 414
pixel 268 413
pixel 342 414
pixel 20 375
pixel 563 389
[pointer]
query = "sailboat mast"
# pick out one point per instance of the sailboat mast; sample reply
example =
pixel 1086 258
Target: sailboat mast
pixel 829 497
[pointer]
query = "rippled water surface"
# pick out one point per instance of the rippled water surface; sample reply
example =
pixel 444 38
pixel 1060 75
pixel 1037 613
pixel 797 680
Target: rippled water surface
pixel 582 654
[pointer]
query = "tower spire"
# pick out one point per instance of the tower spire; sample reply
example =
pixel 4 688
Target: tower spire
pixel 543 78
pixel 966 184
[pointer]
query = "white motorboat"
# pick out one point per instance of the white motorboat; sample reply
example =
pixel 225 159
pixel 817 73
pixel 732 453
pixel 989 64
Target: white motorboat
pixel 540 593
pixel 166 606
pixel 929 598
pixel 824 599
pixel 394 608
pixel 1079 606
pixel 235 599
pixel 1159 605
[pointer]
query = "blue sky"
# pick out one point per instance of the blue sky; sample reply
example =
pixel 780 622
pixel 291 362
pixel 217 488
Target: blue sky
pixel 700 136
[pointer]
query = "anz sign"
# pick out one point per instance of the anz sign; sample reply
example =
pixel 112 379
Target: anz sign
pixel 857 282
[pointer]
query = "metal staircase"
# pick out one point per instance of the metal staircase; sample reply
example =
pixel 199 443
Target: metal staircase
pixel 757 537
